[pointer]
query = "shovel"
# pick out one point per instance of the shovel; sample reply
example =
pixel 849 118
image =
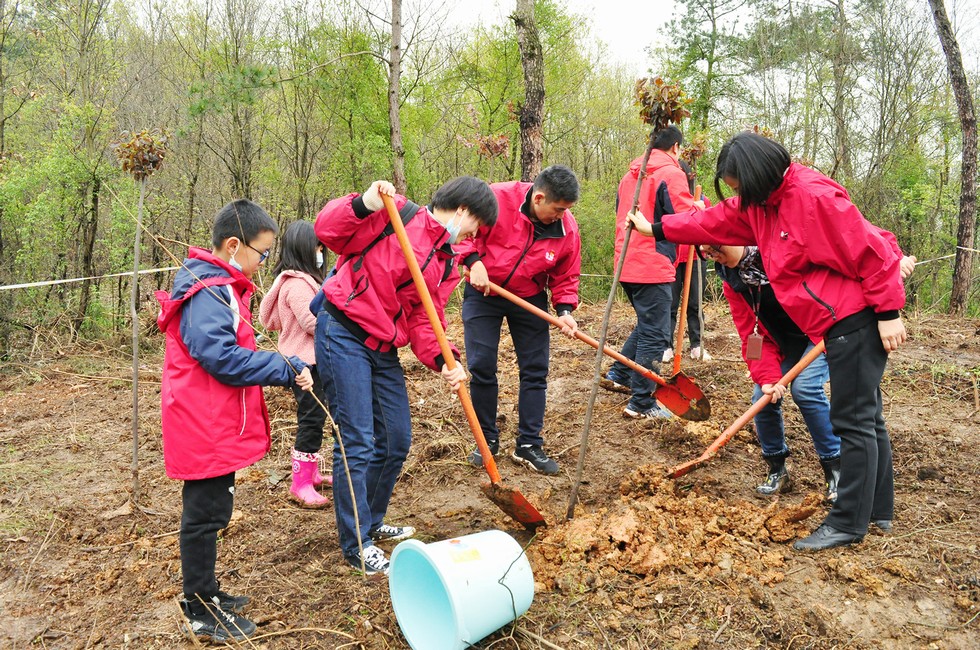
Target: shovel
pixel 729 433
pixel 685 293
pixel 679 394
pixel 508 499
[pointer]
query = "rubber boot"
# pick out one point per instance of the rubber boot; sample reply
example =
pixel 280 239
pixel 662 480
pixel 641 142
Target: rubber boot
pixel 831 474
pixel 777 480
pixel 318 479
pixel 302 490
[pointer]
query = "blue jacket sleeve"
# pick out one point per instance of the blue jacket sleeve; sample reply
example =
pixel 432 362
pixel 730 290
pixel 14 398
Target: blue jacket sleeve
pixel 207 326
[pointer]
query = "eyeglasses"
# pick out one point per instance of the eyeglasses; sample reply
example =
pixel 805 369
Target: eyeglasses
pixel 262 256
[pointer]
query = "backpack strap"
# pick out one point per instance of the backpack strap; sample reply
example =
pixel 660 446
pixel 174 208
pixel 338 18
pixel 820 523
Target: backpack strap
pixel 407 213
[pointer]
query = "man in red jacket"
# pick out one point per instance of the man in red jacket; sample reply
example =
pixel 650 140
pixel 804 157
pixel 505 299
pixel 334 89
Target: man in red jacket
pixel 533 248
pixel 648 272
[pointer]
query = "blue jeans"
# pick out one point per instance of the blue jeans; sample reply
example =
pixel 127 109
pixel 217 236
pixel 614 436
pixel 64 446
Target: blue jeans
pixel 811 398
pixel 648 340
pixel 368 400
pixel 482 318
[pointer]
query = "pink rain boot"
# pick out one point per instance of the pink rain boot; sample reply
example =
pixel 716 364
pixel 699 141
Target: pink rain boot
pixel 302 490
pixel 320 480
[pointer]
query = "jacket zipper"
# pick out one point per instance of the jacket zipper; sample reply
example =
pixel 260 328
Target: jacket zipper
pixel 240 433
pixel 527 247
pixel 833 314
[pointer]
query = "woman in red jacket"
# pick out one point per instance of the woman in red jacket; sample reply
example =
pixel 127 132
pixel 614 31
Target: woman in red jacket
pixel 838 277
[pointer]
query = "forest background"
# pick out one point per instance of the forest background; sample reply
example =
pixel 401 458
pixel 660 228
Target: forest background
pixel 287 103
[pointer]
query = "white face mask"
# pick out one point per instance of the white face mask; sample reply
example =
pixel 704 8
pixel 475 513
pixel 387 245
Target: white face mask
pixel 234 263
pixel 319 259
pixel 453 229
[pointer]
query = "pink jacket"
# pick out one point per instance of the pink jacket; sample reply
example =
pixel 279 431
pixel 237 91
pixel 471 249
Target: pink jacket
pixel 286 309
pixel 825 261
pixel 646 261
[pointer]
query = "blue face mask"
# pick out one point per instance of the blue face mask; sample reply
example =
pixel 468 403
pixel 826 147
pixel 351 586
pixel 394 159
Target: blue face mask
pixel 453 229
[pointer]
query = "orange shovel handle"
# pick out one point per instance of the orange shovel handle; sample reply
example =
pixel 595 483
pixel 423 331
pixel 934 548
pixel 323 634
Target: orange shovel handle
pixel 440 332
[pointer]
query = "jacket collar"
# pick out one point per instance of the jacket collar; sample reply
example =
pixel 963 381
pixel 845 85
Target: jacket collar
pixel 789 176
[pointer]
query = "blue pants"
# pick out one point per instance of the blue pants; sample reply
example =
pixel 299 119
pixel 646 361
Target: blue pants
pixel 866 489
pixel 368 401
pixel 808 393
pixel 648 340
pixel 482 318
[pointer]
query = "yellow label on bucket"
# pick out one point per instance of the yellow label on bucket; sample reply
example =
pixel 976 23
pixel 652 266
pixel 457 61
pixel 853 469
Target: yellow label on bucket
pixel 460 552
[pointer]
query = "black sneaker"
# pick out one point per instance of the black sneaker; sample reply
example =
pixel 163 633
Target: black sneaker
pixel 207 621
pixel 374 561
pixel 476 460
pixel 231 603
pixel 535 458
pixel 386 533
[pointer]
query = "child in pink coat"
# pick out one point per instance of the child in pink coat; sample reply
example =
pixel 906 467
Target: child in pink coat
pixel 286 308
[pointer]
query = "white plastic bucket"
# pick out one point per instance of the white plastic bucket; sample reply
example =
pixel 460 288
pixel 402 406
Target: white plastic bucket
pixel 450 594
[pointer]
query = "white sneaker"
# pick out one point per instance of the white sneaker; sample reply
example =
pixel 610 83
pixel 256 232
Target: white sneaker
pixel 386 533
pixel 668 355
pixel 698 353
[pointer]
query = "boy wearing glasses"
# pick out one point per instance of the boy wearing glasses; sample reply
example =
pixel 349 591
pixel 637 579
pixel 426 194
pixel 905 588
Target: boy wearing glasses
pixel 213 413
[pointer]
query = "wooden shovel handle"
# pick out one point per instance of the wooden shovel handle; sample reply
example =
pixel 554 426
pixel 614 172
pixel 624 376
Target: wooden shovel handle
pixel 682 316
pixel 447 353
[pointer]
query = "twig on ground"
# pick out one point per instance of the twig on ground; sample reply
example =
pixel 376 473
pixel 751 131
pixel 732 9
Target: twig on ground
pixel 92 549
pixel 534 637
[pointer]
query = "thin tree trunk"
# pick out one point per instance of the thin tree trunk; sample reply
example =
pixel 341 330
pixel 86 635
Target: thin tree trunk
pixel 532 111
pixel 134 313
pixel 394 99
pixel 963 269
pixel 90 226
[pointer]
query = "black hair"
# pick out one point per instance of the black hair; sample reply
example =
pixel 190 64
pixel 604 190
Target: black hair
pixel 298 253
pixel 667 138
pixel 756 162
pixel 558 183
pixel 243 219
pixel 468 192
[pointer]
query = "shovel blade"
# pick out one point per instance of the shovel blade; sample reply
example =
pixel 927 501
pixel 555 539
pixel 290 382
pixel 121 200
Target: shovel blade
pixel 514 504
pixel 681 396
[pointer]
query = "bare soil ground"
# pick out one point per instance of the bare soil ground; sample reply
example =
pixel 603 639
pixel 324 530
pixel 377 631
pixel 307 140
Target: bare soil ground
pixel 646 562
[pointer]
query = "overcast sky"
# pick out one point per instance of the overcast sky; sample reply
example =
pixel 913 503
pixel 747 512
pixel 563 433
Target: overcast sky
pixel 629 26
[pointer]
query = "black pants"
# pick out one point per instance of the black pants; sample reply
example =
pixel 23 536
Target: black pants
pixel 699 267
pixel 207 509
pixel 310 416
pixel 482 319
pixel 866 489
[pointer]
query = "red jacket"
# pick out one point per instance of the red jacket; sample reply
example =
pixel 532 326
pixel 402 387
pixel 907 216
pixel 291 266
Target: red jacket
pixel 768 368
pixel 372 294
pixel 213 414
pixel 825 261
pixel 645 264
pixel 518 262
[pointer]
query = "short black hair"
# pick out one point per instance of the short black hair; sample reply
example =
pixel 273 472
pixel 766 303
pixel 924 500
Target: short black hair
pixel 558 183
pixel 243 219
pixel 667 138
pixel 756 162
pixel 471 193
pixel 299 245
